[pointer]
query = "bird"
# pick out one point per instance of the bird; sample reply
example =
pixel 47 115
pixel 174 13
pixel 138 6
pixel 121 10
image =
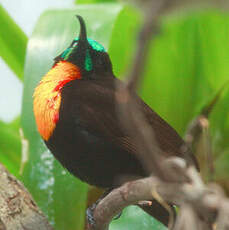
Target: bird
pixel 74 106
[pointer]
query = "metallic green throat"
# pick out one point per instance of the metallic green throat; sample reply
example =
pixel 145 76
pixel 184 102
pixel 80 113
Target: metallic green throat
pixel 88 62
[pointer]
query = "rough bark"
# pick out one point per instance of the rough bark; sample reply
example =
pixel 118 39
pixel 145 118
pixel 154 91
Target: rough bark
pixel 18 211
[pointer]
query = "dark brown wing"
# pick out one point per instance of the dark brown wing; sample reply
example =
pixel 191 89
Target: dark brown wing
pixel 91 104
pixel 96 112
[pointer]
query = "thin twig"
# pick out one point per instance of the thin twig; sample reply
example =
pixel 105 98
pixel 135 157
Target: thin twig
pixel 197 136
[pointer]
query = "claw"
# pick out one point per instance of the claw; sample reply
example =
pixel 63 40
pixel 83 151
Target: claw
pixel 118 216
pixel 90 210
pixel 90 215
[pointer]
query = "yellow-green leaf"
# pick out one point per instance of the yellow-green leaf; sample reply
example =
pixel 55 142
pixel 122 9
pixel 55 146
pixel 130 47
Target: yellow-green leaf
pixel 13 43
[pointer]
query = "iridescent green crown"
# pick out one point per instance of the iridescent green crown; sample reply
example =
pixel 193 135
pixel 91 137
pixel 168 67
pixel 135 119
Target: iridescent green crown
pixel 94 44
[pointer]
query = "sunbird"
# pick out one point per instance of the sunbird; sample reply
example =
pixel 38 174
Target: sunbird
pixel 75 112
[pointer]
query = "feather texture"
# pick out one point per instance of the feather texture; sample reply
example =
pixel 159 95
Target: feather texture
pixel 90 142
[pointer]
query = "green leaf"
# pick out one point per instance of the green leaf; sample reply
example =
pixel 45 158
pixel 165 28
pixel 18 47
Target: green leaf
pixel 222 166
pixel 10 146
pixel 134 218
pixel 222 170
pixel 13 43
pixel 187 65
pixel 123 40
pixel 219 124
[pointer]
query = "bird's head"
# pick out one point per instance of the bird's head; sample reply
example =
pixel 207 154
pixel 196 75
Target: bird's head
pixel 83 59
pixel 88 55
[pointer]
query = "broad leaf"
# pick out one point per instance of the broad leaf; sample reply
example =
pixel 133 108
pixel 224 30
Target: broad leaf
pixel 13 43
pixel 10 146
pixel 188 65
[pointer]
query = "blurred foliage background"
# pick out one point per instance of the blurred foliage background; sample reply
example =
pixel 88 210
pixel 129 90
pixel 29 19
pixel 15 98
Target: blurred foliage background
pixel 188 64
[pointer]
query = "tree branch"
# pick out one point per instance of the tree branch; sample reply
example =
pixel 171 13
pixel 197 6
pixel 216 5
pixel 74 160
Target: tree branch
pixel 17 207
pixel 200 205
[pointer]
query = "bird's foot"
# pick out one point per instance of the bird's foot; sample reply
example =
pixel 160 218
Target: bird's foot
pixel 90 210
pixel 90 215
pixel 118 216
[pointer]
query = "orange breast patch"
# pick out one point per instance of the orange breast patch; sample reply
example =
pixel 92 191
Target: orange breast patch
pixel 47 96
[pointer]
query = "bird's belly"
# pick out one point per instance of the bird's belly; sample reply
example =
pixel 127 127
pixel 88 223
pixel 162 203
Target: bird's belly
pixel 93 159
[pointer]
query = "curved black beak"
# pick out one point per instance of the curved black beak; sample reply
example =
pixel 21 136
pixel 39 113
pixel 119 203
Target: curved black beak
pixel 77 54
pixel 83 31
